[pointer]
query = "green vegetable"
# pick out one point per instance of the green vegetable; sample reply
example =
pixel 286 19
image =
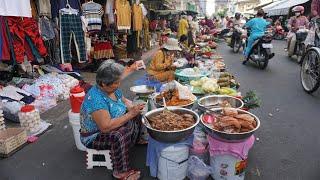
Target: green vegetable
pixel 251 100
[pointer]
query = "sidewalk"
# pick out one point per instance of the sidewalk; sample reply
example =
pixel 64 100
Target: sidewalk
pixel 55 157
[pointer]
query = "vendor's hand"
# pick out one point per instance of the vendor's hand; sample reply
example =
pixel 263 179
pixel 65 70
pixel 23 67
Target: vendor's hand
pixel 136 110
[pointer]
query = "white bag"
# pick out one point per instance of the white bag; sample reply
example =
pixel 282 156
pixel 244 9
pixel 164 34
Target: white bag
pixel 173 163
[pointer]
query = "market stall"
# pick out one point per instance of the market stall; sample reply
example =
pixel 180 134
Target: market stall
pixel 197 121
pixel 45 44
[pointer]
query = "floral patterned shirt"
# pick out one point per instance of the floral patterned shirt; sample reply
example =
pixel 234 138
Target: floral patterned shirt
pixel 96 100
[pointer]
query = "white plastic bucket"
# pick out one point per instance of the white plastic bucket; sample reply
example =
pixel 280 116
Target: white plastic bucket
pixel 74 119
pixel 173 163
pixel 227 167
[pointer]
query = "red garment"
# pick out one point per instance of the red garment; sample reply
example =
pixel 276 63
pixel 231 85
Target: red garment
pixel 20 28
pixel 153 25
pixel 5 50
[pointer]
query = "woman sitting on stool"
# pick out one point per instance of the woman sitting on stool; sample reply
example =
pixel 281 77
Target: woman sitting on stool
pixel 110 121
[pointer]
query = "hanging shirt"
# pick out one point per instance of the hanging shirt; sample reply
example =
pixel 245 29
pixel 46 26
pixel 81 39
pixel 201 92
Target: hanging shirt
pixel 20 8
pixel 110 11
pixel 137 17
pixel 44 8
pixel 123 14
pixel 93 12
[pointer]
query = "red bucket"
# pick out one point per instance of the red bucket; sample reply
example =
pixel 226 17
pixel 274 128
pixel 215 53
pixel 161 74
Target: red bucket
pixel 77 95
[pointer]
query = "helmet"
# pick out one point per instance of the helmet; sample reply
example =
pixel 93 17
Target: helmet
pixel 298 9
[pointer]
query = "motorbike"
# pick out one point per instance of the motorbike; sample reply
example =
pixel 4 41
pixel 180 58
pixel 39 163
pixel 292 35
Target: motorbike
pixel 310 67
pixel 279 33
pixel 237 41
pixel 299 48
pixel 261 51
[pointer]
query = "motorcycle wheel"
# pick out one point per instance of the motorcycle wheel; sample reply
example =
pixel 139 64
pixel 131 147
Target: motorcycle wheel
pixel 300 53
pixel 310 71
pixel 263 64
pixel 236 46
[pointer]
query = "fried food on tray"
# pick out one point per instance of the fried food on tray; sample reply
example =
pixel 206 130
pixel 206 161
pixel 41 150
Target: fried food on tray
pixel 170 121
pixel 172 98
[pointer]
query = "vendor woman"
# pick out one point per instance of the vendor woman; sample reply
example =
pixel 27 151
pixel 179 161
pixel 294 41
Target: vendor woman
pixel 110 121
pixel 187 50
pixel 161 66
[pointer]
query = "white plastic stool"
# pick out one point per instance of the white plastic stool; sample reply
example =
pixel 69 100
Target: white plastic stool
pixel 91 163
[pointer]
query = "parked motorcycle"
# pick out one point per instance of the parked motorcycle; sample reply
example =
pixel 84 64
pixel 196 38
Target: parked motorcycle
pixel 279 33
pixel 261 51
pixel 299 48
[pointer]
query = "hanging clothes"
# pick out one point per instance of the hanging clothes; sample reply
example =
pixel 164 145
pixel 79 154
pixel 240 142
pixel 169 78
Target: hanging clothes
pixel 44 8
pixel 20 28
pixel 34 10
pixel 56 5
pixel 123 14
pixel 137 17
pixel 110 11
pixel 20 8
pixel 103 50
pixel 146 34
pixel 132 42
pixel 93 13
pixel 71 28
pixel 4 41
pixel 46 28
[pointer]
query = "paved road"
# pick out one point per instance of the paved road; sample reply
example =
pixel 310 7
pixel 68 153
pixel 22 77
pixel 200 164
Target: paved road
pixel 288 145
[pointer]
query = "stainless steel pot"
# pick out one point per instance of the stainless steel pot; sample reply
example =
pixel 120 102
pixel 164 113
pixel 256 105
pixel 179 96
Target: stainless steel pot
pixel 170 136
pixel 230 137
pixel 213 101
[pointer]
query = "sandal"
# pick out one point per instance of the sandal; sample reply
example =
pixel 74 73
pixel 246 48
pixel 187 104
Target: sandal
pixel 129 175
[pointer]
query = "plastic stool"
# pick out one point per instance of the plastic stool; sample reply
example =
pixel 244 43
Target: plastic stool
pixel 91 163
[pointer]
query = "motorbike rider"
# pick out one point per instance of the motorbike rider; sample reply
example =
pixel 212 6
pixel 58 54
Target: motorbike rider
pixel 257 27
pixel 238 22
pixel 296 22
pixel 278 22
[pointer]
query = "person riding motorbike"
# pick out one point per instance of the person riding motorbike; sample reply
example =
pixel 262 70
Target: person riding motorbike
pixel 279 32
pixel 237 25
pixel 295 23
pixel 257 26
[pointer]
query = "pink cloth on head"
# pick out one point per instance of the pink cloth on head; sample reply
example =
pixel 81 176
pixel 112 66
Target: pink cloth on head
pixel 238 149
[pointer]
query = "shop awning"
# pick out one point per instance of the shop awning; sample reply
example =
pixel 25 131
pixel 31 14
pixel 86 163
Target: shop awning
pixel 166 12
pixel 284 7
pixel 270 6
pixel 261 5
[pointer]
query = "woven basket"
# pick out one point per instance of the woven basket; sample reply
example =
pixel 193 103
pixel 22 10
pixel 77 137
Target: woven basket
pixel 11 139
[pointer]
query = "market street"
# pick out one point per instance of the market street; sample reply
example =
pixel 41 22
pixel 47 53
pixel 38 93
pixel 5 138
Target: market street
pixel 287 146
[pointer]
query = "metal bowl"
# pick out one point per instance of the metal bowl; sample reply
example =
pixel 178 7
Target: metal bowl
pixel 142 90
pixel 230 137
pixel 170 136
pixel 160 104
pixel 213 101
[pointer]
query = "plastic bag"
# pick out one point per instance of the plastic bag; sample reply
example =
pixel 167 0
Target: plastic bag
pixel 184 91
pixel 197 170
